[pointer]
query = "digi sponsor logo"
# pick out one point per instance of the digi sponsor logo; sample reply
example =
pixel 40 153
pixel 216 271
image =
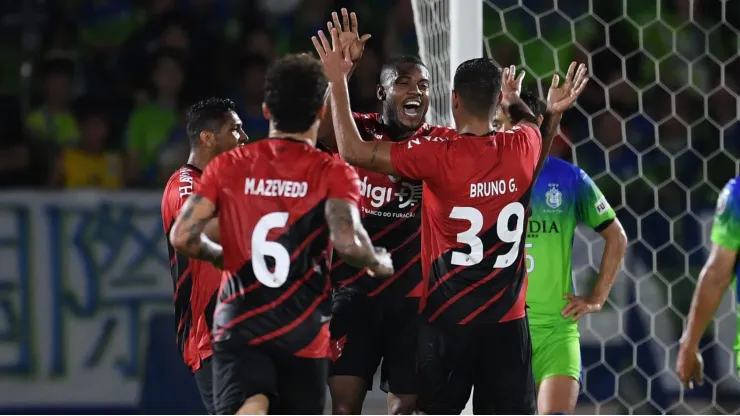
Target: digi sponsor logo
pixel 406 193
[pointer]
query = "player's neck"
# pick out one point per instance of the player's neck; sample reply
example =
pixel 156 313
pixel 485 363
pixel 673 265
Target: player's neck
pixel 474 126
pixel 309 137
pixel 395 130
pixel 198 160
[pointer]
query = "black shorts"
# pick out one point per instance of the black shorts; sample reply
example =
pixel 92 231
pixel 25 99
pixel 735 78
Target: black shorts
pixel 293 384
pixel 366 331
pixel 496 359
pixel 204 381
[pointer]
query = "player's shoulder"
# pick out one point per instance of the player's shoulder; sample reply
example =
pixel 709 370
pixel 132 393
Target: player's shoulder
pixel 729 197
pixel 561 167
pixel 369 123
pixel 183 176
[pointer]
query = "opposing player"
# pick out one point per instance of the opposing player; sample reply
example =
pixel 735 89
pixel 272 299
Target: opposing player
pixel 721 268
pixel 476 189
pixel 563 196
pixel 213 128
pixel 275 198
pixel 376 322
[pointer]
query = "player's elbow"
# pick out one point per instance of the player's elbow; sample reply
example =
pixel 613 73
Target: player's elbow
pixel 178 239
pixel 616 237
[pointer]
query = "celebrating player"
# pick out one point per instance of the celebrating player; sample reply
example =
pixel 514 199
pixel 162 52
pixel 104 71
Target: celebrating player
pixel 563 196
pixel 213 128
pixel 374 321
pixel 476 188
pixel 718 272
pixel 275 198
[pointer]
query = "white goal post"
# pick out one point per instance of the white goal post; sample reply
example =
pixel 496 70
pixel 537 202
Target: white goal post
pixel 658 130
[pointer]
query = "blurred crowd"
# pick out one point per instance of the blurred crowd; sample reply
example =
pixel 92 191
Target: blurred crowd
pixel 92 92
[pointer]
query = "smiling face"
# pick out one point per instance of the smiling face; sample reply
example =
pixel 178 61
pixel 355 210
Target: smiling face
pixel 404 91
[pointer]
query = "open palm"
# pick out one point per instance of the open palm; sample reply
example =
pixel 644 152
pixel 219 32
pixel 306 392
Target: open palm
pixel 349 36
pixel 561 98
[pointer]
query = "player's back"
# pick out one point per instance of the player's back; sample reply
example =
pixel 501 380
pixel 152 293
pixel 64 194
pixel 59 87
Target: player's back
pixel 195 282
pixel 275 290
pixel 474 219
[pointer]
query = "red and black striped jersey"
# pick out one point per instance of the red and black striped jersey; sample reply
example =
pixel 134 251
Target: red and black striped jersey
pixel 391 214
pixel 474 216
pixel 196 282
pixel 270 195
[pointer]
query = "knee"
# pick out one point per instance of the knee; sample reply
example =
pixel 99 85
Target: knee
pixel 343 409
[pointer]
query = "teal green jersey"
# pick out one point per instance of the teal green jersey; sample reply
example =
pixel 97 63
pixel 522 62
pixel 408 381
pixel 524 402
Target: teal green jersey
pixel 563 197
pixel 726 232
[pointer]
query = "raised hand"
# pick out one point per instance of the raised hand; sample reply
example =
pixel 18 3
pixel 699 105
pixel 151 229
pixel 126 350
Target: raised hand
pixel 561 98
pixel 510 84
pixel 337 64
pixel 349 36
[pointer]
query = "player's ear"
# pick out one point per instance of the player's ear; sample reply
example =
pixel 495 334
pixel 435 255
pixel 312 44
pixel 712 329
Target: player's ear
pixel 455 99
pixel 380 92
pixel 266 112
pixel 206 139
pixel 540 118
pixel 500 97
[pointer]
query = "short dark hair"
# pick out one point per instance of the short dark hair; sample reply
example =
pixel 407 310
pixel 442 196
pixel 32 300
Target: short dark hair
pixel 397 61
pixel 535 104
pixel 478 83
pixel 295 86
pixel 206 115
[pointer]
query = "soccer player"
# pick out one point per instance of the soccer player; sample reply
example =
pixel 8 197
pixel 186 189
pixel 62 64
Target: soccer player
pixel 376 322
pixel 563 196
pixel 213 128
pixel 476 189
pixel 716 276
pixel 274 199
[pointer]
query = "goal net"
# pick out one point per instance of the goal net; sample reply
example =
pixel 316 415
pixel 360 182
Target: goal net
pixel 658 131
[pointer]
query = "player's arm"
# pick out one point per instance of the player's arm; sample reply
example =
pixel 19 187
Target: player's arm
pixel 211 230
pixel 351 240
pixel 559 99
pixel 714 279
pixel 594 210
pixel 375 155
pixel 350 38
pixel 187 235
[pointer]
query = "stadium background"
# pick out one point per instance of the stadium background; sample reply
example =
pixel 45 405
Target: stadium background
pixel 85 298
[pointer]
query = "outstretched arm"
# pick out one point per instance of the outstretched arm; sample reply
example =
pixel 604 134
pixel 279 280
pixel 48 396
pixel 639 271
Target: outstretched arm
pixel 560 99
pixel 351 240
pixel 351 40
pixel 187 235
pixel 375 156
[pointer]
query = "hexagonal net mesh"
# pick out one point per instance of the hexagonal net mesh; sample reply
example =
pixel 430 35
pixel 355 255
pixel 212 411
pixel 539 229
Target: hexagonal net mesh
pixel 658 131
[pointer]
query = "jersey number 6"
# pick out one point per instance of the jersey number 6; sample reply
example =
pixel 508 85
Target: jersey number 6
pixel 261 248
pixel 470 237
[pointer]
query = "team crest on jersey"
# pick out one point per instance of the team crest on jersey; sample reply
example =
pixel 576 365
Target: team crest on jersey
pixel 553 197
pixel 722 200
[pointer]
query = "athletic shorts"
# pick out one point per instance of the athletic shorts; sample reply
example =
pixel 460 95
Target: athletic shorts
pixel 294 385
pixel 204 381
pixel 556 351
pixel 496 359
pixel 366 331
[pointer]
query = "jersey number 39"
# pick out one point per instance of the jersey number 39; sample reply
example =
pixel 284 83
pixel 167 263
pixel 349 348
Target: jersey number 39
pixel 470 236
pixel 261 247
